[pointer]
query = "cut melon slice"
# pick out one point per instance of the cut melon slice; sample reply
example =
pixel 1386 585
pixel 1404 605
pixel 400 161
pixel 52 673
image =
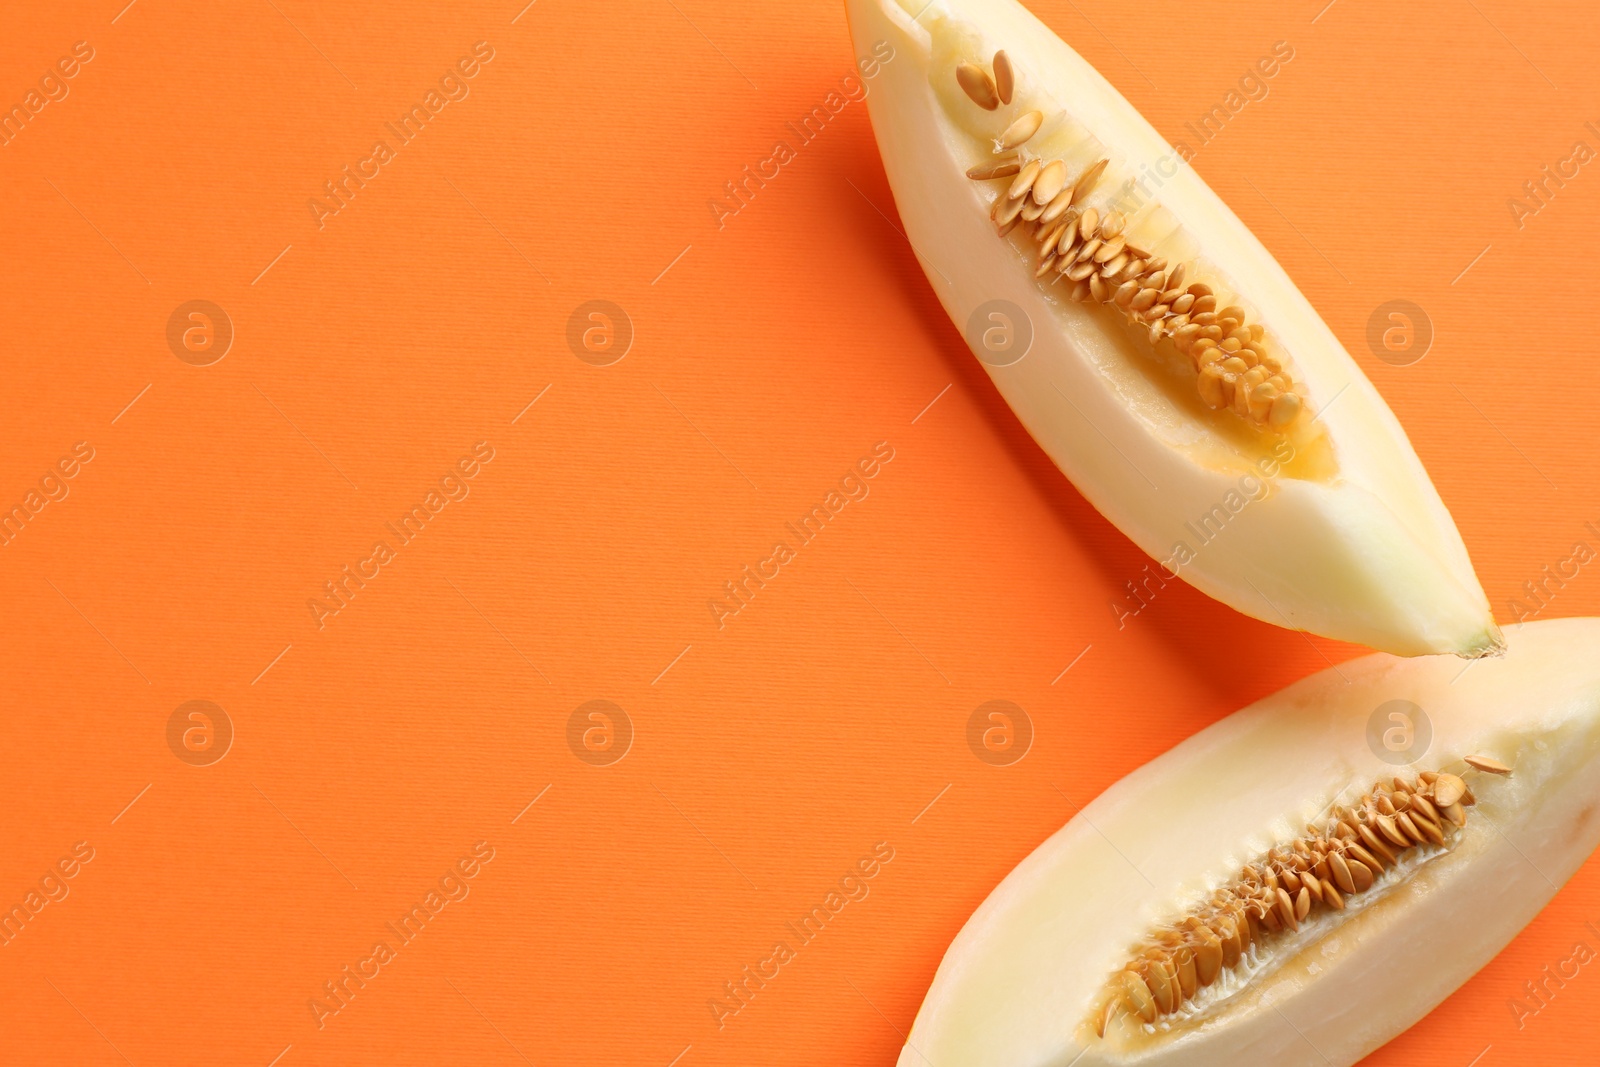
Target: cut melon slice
pixel 1278 889
pixel 1148 341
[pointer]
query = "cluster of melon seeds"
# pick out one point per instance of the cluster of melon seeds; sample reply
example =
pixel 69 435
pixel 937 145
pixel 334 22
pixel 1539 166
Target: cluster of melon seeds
pixel 1091 252
pixel 1283 888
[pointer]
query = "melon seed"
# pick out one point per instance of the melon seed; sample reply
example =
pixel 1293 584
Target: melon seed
pixel 1004 80
pixel 977 84
pixel 1021 130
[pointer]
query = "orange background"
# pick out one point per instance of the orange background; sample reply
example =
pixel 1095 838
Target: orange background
pixel 769 355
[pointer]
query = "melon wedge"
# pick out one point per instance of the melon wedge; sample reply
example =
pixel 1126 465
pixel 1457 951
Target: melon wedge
pixel 1275 480
pixel 1040 973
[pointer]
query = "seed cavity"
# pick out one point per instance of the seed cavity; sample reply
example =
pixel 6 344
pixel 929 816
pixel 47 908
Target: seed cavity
pixel 1286 887
pixel 1255 384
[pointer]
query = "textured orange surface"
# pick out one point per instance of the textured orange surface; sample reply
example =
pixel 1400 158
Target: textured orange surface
pixel 420 347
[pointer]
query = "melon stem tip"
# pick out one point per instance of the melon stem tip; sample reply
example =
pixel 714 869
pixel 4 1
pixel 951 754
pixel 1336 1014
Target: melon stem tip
pixel 1492 645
